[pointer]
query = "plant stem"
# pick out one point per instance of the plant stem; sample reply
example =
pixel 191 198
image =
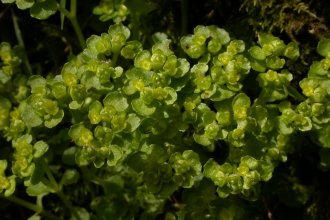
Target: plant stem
pixel 262 99
pixel 62 16
pixel 184 23
pixel 30 206
pixel 17 29
pixel 271 106
pixel 64 11
pixel 98 180
pixel 184 17
pixel 73 7
pixel 72 16
pixel 68 205
pixel 91 177
pixel 59 192
pixel 76 117
pixel 135 24
pixel 20 41
pixel 114 59
pixel 80 36
pixel 50 176
pixel 45 181
pixel 295 94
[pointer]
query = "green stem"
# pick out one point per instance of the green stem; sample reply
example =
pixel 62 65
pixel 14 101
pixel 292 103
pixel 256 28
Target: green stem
pixel 295 94
pixel 135 25
pixel 114 59
pixel 50 176
pixel 17 29
pixel 73 18
pixel 80 36
pixel 91 176
pixel 68 205
pixel 184 23
pixel 59 191
pixel 98 180
pixel 64 11
pixel 73 7
pixel 45 181
pixel 275 106
pixel 20 41
pixel 184 17
pixel 30 206
pixel 262 99
pixel 75 115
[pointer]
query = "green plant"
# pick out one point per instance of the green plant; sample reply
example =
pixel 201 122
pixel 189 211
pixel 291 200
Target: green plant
pixel 146 124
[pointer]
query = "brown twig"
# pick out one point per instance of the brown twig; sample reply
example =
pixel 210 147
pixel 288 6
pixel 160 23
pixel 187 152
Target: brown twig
pixel 269 213
pixel 5 10
pixel 176 202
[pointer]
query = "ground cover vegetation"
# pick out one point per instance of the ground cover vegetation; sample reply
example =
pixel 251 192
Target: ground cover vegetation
pixel 133 109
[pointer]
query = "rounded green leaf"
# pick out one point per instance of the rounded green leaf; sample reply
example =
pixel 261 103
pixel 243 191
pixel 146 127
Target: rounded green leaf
pixel 81 159
pixel 141 108
pixel 40 148
pixel 274 62
pixel 12 187
pixel 214 45
pixel 210 167
pixel 91 42
pixel 250 162
pixel 131 49
pixel 282 127
pixel 68 156
pixel 291 51
pixel 37 175
pixel 171 96
pixel 31 118
pixel 42 10
pixel 193 50
pixel 265 38
pixel 70 176
pixel 24 4
pixel 75 131
pixel 5 107
pixel 164 46
pixel 142 60
pixel 133 122
pixel 323 48
pixel 240 103
pixel 317 69
pixel 7 1
pixel 188 181
pixel 166 190
pixel 37 190
pixel 54 120
pixel 216 32
pixel 136 73
pixel 137 161
pixel 35 82
pixel 88 56
pixel 117 100
pixel 202 139
pixel 82 213
pixel 76 104
pixel 119 29
pixel 27 138
pixel 257 65
pixel 115 155
pixel 90 80
pixel 193 160
pixel 257 53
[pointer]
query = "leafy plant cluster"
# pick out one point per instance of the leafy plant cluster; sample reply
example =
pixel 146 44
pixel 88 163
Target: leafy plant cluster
pixel 127 127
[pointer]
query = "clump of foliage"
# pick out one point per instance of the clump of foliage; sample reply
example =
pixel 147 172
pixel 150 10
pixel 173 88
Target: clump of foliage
pixel 139 124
